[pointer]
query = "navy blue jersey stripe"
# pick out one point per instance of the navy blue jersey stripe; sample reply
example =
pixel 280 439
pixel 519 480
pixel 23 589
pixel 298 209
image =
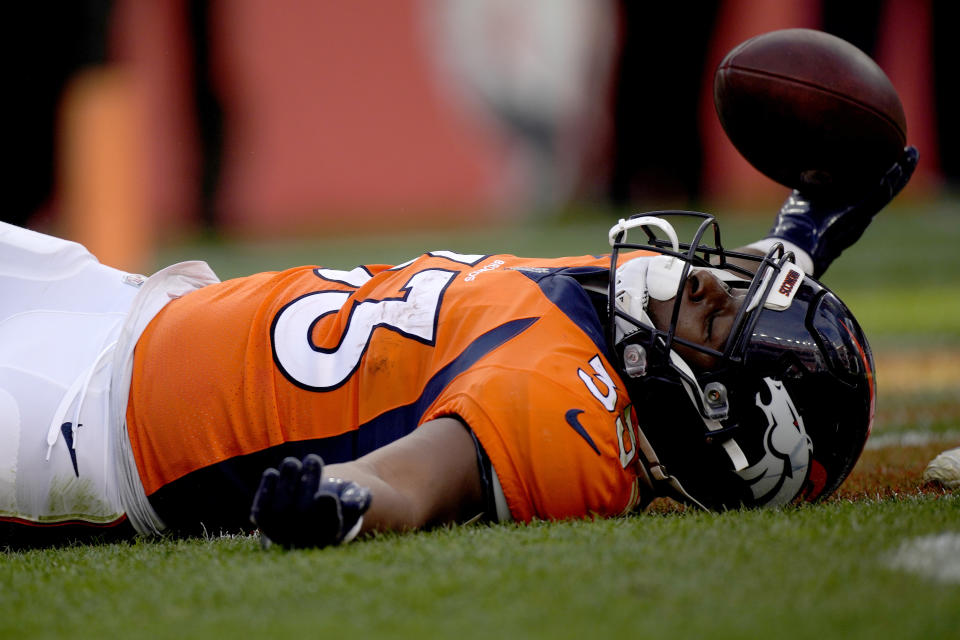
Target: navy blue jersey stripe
pixel 398 422
pixel 567 294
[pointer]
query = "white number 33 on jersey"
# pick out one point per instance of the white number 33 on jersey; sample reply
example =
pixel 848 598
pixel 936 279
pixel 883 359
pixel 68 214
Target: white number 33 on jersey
pixel 414 315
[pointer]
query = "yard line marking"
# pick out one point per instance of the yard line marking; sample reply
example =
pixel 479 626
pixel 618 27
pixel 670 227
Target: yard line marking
pixel 910 439
pixel 935 556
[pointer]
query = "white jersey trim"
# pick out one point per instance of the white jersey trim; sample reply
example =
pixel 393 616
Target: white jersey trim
pixel 159 289
pixel 500 500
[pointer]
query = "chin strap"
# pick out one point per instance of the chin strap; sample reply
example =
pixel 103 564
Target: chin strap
pixel 655 474
pixel 643 221
pixel 696 394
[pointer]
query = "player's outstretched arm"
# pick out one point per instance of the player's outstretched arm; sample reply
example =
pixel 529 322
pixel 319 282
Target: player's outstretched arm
pixel 819 231
pixel 428 477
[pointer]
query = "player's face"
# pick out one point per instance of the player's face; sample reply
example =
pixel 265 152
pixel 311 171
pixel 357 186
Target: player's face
pixel 707 311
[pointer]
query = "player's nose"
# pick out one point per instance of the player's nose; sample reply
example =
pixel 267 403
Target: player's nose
pixel 703 285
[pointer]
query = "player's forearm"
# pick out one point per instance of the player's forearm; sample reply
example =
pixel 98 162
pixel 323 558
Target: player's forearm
pixel 428 477
pixel 749 265
pixel 390 508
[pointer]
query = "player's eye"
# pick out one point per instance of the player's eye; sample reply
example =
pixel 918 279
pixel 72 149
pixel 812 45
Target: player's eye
pixel 710 319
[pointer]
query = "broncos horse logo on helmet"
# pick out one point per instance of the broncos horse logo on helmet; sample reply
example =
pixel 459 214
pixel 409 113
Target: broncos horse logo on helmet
pixel 779 475
pixel 784 409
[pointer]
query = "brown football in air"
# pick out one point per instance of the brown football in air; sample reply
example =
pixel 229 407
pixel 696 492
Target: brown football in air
pixel 810 111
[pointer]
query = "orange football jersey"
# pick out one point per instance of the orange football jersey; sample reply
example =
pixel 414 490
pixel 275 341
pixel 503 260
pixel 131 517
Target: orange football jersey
pixel 233 377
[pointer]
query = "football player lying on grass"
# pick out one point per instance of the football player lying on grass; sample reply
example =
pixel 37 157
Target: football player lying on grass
pixel 447 388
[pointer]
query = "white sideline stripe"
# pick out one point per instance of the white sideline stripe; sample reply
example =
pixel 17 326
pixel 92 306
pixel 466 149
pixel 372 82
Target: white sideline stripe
pixel 935 556
pixel 911 439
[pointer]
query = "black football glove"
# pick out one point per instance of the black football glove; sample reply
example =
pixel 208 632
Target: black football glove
pixel 824 230
pixel 297 508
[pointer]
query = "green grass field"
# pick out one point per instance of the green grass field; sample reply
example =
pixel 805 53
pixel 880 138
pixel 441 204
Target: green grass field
pixel 813 572
pixel 882 561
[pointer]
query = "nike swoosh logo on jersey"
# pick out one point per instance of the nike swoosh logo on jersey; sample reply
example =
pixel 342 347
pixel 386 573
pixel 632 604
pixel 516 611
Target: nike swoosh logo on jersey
pixel 574 421
pixel 67 430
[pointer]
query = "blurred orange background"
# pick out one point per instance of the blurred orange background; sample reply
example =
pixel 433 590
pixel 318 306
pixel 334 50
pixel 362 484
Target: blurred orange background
pixel 277 118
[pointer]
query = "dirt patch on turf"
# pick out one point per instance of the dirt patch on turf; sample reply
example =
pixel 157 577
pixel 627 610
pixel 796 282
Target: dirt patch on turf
pixel 932 376
pixel 918 371
pixel 892 471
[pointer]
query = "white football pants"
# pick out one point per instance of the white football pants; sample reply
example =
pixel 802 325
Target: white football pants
pixel 61 312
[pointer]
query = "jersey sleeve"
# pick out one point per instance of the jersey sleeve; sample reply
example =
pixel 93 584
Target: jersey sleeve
pixel 558 438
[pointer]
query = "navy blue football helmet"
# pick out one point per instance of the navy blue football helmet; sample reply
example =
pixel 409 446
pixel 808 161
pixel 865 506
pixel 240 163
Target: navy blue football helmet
pixel 783 414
